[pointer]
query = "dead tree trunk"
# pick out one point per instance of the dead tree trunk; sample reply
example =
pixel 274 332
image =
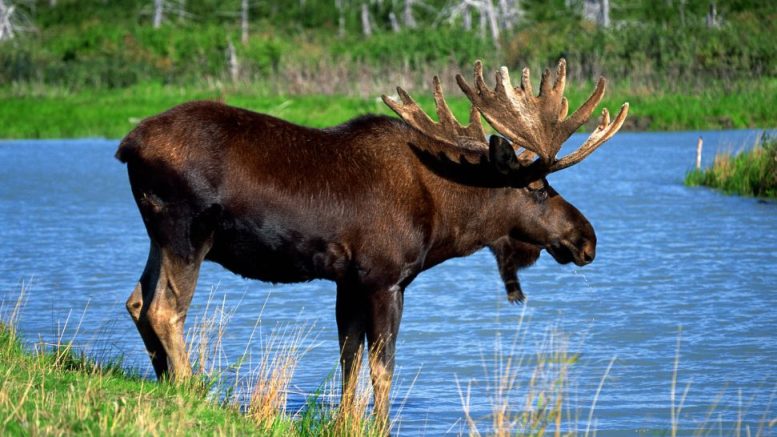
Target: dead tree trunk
pixel 159 7
pixel 597 11
pixel 492 21
pixel 244 21
pixel 407 15
pixel 366 26
pixel 394 22
pixel 466 18
pixel 232 62
pixel 6 26
pixel 712 16
pixel 340 18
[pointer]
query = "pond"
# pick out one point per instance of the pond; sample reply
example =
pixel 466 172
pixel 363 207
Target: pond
pixel 672 263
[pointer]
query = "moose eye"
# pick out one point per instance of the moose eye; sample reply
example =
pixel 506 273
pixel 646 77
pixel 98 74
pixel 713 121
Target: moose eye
pixel 540 193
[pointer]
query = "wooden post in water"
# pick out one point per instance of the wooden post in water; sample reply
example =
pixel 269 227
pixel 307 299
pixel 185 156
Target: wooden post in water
pixel 699 146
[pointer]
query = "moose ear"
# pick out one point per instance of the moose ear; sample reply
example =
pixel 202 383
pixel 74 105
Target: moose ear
pixel 502 155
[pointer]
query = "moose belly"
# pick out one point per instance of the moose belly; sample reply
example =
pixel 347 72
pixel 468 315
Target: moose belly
pixel 270 250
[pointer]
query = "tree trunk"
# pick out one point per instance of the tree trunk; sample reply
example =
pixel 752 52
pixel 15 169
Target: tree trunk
pixel 712 16
pixel 466 18
pixel 159 6
pixel 6 27
pixel 506 14
pixel 366 26
pixel 340 18
pixel 244 21
pixel 408 15
pixel 492 21
pixel 232 62
pixel 394 22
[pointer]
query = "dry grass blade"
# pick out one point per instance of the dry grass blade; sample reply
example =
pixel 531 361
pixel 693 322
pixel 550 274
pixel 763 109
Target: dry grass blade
pixel 272 377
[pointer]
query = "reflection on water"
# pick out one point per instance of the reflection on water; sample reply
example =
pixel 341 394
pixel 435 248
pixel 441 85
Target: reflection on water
pixel 668 257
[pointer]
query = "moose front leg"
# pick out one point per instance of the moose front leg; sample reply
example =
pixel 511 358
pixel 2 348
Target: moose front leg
pixel 512 255
pixel 351 328
pixel 385 314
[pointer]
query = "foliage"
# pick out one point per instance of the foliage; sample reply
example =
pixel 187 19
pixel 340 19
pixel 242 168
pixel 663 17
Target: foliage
pixel 86 44
pixel 749 173
pixel 47 112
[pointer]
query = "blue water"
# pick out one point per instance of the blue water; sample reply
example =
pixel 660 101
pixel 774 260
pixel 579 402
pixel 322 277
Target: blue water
pixel 672 262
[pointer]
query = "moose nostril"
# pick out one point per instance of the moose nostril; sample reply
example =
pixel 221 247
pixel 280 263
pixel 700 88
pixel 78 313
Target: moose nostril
pixel 588 251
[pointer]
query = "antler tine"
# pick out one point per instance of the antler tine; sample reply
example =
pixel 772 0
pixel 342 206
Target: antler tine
pixel 448 130
pixel 603 132
pixel 545 86
pixel 526 81
pixel 561 76
pixel 583 113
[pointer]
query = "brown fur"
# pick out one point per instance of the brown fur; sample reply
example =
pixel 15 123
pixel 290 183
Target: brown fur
pixel 369 204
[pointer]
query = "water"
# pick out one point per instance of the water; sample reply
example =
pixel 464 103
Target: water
pixel 669 258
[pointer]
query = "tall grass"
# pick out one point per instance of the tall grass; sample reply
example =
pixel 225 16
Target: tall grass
pixel 749 173
pixel 57 391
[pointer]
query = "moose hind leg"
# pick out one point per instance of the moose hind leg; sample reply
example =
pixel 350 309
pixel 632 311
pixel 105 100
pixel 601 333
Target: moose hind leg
pixel 159 304
pixel 138 311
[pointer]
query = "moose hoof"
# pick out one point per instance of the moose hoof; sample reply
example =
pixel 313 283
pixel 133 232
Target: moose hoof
pixel 516 296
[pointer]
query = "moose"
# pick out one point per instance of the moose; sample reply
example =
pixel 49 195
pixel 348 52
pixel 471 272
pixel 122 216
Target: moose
pixel 368 204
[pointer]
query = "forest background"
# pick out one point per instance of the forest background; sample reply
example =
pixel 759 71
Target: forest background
pixel 74 68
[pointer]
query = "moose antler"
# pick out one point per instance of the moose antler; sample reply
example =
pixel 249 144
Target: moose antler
pixel 539 123
pixel 448 130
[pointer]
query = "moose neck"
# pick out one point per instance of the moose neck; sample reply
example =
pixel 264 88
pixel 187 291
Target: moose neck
pixel 472 204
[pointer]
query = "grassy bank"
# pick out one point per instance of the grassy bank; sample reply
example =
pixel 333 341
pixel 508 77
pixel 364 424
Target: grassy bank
pixel 749 173
pixel 53 390
pixel 59 393
pixel 56 113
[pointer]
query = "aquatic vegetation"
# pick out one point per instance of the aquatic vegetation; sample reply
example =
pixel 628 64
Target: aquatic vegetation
pixel 750 173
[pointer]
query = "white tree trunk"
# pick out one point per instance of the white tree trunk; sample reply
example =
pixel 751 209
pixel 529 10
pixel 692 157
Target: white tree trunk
pixel 366 26
pixel 408 15
pixel 483 22
pixel 244 21
pixel 394 22
pixel 6 26
pixel 493 22
pixel 712 16
pixel 159 6
pixel 466 18
pixel 232 62
pixel 506 14
pixel 340 18
pixel 597 11
pixel 605 13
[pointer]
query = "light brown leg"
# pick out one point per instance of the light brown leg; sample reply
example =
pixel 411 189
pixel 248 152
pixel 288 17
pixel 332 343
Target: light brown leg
pixel 385 308
pixel 159 304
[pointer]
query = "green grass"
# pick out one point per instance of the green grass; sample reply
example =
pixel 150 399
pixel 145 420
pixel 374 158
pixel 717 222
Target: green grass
pixel 61 393
pixel 55 391
pixel 54 113
pixel 748 173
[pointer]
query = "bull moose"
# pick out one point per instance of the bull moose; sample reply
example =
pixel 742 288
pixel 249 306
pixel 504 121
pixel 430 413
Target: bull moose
pixel 368 204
